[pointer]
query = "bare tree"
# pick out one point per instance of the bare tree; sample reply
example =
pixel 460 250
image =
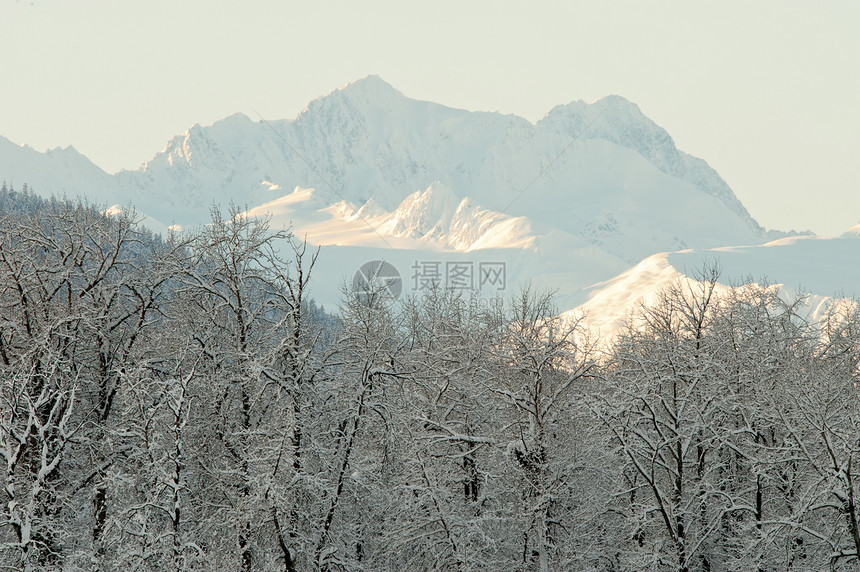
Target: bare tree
pixel 75 304
pixel 666 415
pixel 543 363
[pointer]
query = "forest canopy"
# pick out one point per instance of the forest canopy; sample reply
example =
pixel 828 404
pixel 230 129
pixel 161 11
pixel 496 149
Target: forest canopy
pixel 180 403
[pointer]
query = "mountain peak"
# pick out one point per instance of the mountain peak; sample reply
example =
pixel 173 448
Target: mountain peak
pixel 359 98
pixel 68 150
pixel 237 118
pixel 611 110
pixel 617 102
pixel 853 232
pixel 368 92
pixel 369 85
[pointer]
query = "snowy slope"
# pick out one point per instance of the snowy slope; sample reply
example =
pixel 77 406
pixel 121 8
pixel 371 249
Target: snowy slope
pixel 617 120
pixel 57 171
pixel 542 267
pixel 853 232
pixel 822 268
pixel 430 229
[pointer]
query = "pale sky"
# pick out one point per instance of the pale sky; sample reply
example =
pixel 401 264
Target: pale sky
pixel 767 92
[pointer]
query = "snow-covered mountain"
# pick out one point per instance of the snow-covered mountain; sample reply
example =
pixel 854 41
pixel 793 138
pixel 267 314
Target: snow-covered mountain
pixel 61 172
pixel 817 269
pixel 368 141
pixel 602 172
pixel 573 200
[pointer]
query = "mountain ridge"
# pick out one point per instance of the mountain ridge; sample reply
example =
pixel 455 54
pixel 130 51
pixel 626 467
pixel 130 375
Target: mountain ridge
pixel 578 196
